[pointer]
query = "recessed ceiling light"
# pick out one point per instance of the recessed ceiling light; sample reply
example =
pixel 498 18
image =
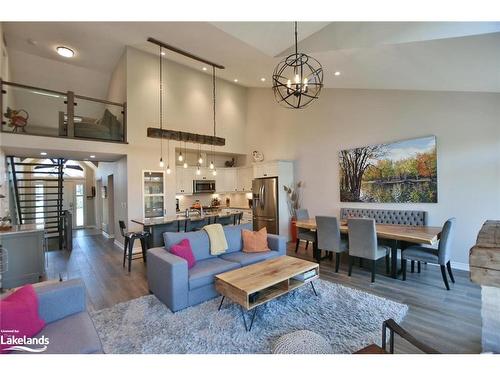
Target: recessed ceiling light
pixel 92 156
pixel 65 51
pixel 235 80
pixel 337 73
pixel 204 68
pixel 43 153
pixel 263 79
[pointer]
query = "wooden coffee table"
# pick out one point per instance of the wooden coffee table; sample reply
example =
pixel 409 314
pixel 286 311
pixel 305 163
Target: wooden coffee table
pixel 254 285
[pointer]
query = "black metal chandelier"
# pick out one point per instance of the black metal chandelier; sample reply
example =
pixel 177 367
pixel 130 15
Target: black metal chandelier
pixel 298 79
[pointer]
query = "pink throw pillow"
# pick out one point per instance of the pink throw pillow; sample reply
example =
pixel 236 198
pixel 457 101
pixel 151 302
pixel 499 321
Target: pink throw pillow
pixel 183 250
pixel 19 316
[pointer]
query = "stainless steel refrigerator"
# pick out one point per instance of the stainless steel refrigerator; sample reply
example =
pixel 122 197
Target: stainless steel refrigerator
pixel 265 204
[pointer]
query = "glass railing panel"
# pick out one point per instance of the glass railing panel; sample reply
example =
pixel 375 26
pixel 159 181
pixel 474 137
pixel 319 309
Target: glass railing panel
pixel 98 120
pixel 32 111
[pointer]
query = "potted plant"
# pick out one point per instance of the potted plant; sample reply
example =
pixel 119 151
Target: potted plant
pixel 293 201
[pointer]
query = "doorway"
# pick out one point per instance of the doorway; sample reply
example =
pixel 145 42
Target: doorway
pixel 74 201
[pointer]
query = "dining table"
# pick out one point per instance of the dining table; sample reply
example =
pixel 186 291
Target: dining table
pixel 399 237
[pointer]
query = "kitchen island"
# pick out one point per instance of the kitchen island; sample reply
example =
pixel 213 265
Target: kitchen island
pixel 156 226
pixel 22 255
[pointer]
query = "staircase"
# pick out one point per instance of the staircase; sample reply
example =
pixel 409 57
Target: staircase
pixel 38 194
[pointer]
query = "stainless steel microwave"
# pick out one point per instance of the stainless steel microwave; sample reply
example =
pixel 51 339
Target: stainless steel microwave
pixel 203 186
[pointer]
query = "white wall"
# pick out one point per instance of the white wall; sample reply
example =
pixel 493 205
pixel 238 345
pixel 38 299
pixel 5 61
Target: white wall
pixel 118 170
pixel 468 144
pixel 187 107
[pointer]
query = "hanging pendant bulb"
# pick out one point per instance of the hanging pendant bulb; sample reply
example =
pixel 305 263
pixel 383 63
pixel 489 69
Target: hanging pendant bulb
pixel 181 158
pixel 168 169
pixel 212 166
pixel 200 160
pixel 185 165
pixel 214 172
pixel 198 171
pixel 162 164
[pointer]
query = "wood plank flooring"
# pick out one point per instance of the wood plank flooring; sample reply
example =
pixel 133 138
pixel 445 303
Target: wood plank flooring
pixel 449 321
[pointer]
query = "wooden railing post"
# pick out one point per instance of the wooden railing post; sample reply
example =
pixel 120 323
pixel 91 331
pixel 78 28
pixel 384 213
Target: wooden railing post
pixel 124 112
pixel 70 114
pixel 1 105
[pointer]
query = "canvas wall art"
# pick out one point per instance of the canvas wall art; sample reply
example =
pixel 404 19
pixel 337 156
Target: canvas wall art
pixel 399 172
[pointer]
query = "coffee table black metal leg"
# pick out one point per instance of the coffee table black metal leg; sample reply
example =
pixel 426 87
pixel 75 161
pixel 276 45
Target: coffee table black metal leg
pixel 314 289
pixel 221 302
pixel 248 329
pixel 243 316
pixel 253 317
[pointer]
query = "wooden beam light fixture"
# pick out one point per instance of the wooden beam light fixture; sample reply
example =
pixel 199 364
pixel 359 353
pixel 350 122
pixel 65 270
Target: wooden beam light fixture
pixel 181 136
pixel 176 135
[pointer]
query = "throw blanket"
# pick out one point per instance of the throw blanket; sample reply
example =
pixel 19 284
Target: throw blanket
pixel 218 243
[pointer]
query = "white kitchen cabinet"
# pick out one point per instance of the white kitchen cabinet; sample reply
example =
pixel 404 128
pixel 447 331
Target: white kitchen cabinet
pixel 184 180
pixel 269 169
pixel 226 180
pixel 153 193
pixel 244 177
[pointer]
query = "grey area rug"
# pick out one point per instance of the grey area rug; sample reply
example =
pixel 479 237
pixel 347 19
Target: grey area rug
pixel 349 319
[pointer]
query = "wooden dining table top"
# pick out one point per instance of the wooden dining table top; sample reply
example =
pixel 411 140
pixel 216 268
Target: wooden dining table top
pixel 415 234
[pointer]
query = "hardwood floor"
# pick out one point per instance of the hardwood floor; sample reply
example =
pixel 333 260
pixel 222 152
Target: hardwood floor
pixel 98 262
pixel 449 321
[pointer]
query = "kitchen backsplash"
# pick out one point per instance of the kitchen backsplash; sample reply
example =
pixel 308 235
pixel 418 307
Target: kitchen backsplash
pixel 238 200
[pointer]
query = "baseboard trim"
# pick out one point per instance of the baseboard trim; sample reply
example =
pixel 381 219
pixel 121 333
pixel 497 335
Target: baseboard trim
pixel 108 236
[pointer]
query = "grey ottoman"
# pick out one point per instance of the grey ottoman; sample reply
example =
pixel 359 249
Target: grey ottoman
pixel 302 342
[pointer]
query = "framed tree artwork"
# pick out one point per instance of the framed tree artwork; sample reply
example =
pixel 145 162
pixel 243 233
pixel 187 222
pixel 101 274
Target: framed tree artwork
pixel 399 172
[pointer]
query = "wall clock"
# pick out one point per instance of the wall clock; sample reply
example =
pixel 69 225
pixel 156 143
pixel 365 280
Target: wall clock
pixel 257 156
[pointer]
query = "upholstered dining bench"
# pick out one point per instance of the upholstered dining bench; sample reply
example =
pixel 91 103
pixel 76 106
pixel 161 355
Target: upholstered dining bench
pixel 397 217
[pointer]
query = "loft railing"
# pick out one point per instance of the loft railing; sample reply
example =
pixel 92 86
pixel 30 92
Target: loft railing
pixel 39 111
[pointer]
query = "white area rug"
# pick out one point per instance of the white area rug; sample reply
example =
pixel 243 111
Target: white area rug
pixel 349 319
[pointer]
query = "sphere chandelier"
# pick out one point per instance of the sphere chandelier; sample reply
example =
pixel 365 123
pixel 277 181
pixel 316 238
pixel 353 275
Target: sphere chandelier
pixel 298 79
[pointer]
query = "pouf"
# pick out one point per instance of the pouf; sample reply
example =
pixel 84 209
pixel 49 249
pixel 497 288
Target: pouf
pixel 302 342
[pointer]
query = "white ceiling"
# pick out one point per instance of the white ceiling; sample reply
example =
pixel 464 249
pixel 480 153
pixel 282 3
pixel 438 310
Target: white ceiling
pixel 456 56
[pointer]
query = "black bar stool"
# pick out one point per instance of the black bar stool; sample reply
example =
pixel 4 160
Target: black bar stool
pixel 128 247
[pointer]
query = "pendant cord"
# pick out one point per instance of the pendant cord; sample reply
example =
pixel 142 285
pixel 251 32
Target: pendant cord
pixel 214 104
pixel 161 103
pixel 296 47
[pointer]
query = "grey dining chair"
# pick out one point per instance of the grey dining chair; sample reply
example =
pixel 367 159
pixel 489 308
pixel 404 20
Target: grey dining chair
pixel 441 255
pixel 329 239
pixel 302 233
pixel 363 244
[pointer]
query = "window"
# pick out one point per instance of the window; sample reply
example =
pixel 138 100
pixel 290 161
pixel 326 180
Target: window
pixel 79 197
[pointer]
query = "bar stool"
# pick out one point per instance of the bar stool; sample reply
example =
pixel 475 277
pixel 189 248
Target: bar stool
pixel 225 220
pixel 128 247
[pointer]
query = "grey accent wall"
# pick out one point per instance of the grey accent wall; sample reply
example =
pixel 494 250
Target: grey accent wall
pixel 467 127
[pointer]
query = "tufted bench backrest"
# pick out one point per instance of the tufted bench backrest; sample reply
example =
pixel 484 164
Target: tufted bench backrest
pixel 399 217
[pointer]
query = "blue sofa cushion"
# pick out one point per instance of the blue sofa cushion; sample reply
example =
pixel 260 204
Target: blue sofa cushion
pixel 198 240
pixel 244 259
pixel 233 236
pixel 74 334
pixel 204 271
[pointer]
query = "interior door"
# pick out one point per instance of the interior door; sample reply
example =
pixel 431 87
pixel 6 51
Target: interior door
pixel 74 201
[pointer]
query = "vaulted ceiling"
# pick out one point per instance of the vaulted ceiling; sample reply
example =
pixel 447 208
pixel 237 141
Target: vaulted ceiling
pixel 456 56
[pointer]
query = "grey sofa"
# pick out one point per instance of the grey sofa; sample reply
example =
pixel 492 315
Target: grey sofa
pixel 178 287
pixel 69 327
